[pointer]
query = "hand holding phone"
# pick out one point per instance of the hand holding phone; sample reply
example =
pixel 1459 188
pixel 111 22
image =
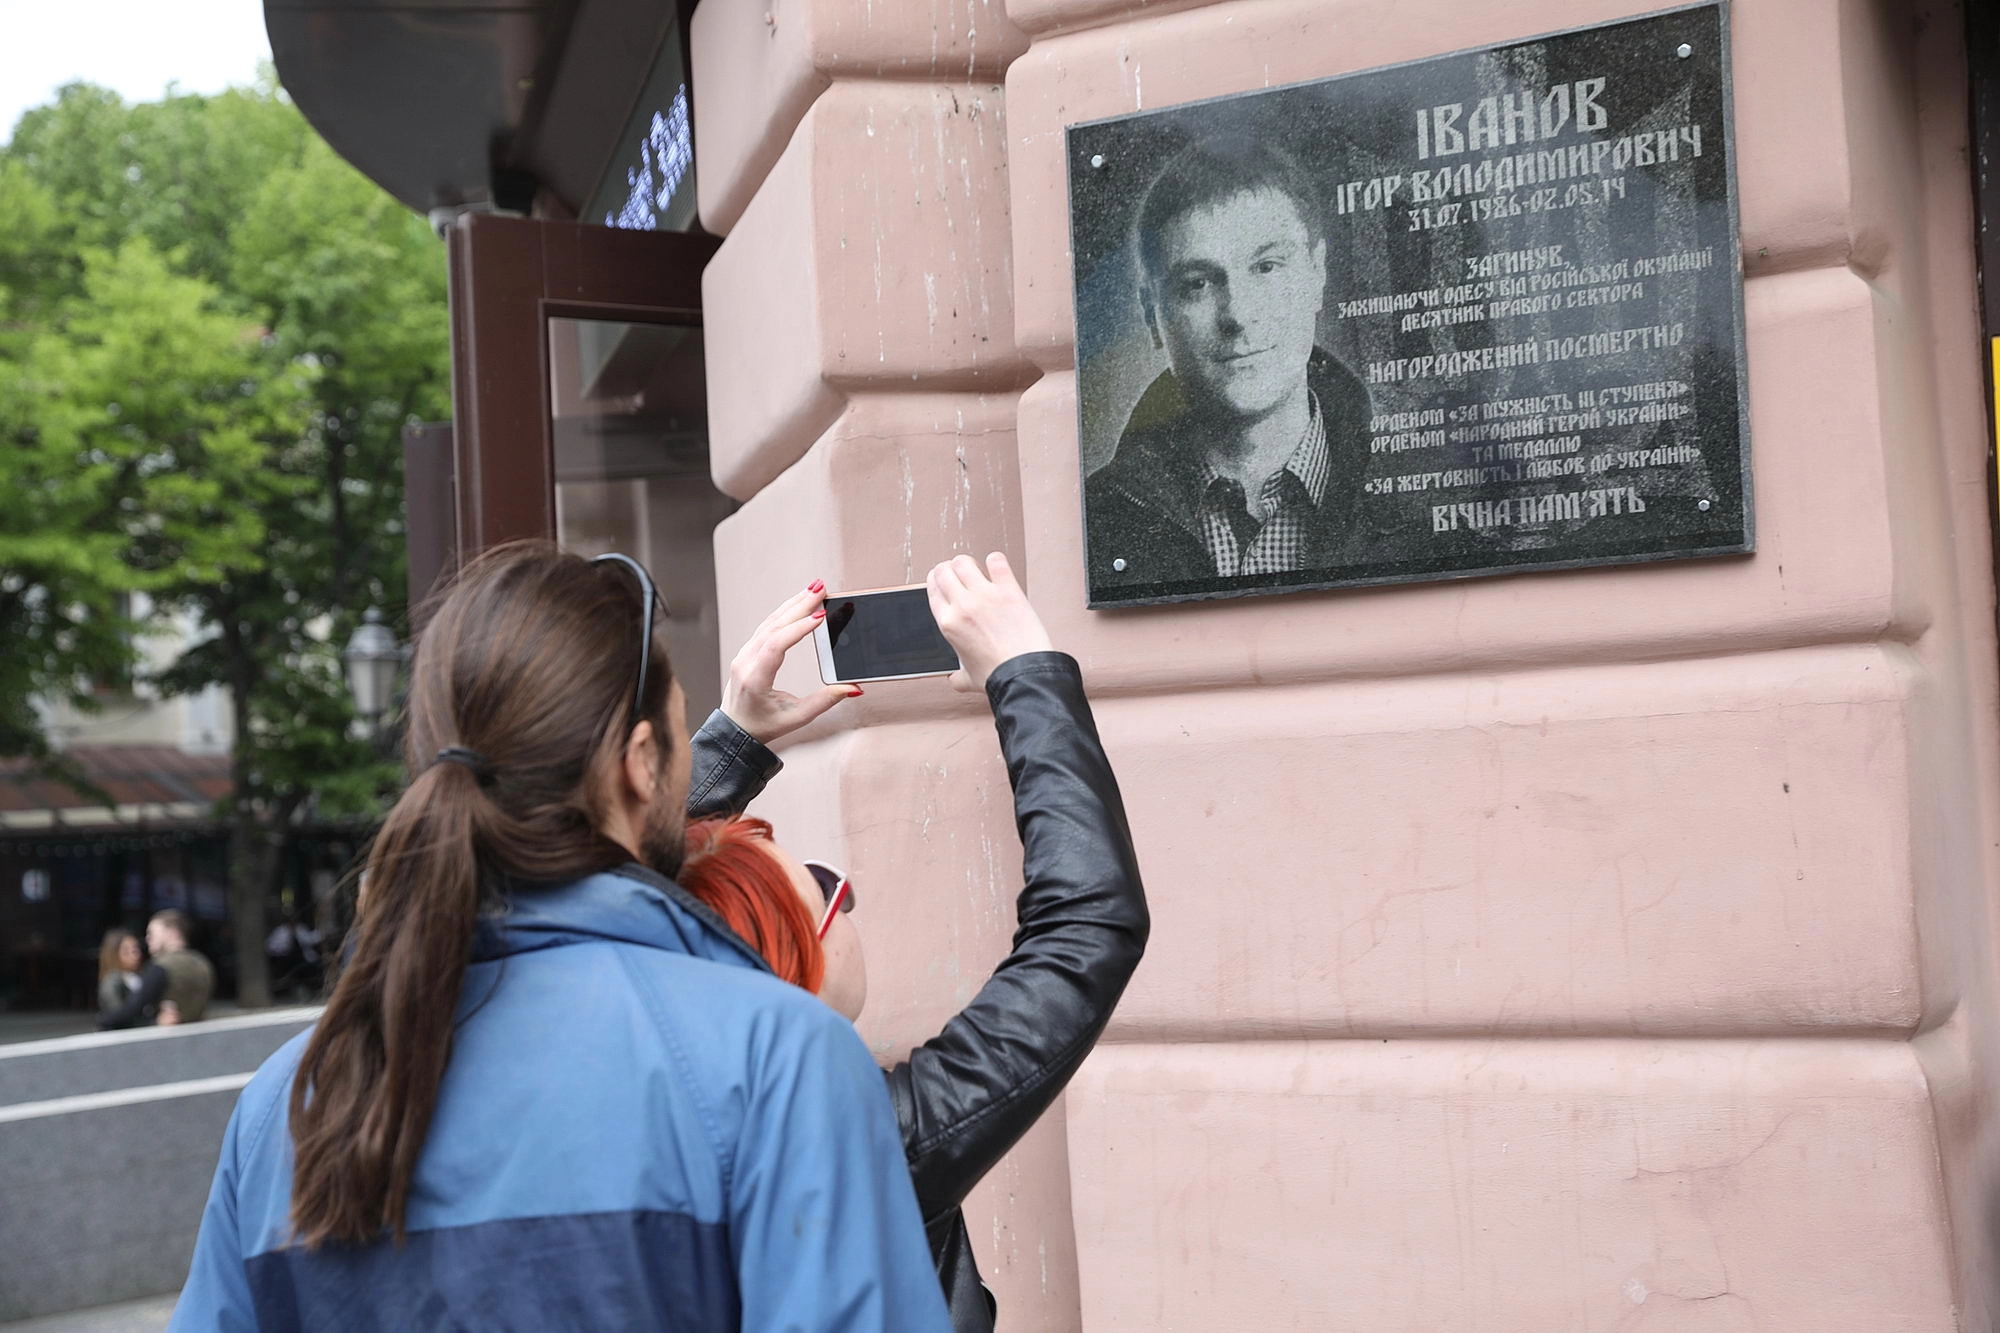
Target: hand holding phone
pixel 750 695
pixel 962 621
pixel 985 616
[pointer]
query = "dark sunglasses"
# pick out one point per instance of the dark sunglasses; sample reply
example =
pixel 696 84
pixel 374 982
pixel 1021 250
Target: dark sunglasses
pixel 835 887
pixel 650 594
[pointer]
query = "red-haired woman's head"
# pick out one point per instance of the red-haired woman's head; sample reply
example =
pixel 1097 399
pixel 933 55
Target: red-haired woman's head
pixel 735 867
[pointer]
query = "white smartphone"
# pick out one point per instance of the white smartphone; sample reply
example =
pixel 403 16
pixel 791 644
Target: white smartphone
pixel 881 634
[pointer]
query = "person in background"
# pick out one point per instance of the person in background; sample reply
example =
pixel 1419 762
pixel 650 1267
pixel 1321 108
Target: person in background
pixel 308 940
pixel 292 948
pixel 174 985
pixel 967 1095
pixel 550 1089
pixel 190 976
pixel 281 955
pixel 118 964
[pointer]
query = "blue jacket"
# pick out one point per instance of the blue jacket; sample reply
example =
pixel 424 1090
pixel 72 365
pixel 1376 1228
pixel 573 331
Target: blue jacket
pixel 640 1128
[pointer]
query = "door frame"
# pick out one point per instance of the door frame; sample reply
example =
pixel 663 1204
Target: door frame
pixel 1982 67
pixel 508 278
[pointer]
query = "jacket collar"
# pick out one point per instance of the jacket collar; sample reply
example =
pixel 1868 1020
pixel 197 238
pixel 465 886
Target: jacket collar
pixel 630 905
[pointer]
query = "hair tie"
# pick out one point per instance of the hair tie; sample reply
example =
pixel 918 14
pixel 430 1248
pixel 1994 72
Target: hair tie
pixel 472 759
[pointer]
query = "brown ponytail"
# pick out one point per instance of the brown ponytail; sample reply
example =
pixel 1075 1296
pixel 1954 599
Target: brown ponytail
pixel 529 661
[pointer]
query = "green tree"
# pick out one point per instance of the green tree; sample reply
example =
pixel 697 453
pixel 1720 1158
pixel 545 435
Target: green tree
pixel 62 570
pixel 178 172
pixel 353 285
pixel 209 241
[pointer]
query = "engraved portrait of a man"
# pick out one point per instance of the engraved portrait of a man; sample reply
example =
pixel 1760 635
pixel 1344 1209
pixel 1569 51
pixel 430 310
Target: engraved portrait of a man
pixel 1242 458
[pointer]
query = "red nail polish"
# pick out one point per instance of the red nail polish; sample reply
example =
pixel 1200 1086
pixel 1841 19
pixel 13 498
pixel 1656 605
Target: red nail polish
pixel 820 614
pixel 817 585
pixel 856 692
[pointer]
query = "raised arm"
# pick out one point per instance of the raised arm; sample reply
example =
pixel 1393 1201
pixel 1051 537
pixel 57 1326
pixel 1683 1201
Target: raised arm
pixel 967 1095
pixel 731 768
pixel 731 753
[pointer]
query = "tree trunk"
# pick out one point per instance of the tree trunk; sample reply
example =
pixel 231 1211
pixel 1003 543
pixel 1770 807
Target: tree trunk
pixel 344 554
pixel 247 840
pixel 248 848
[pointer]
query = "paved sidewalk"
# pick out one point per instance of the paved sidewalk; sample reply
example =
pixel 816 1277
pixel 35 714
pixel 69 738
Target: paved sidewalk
pixel 42 1024
pixel 148 1316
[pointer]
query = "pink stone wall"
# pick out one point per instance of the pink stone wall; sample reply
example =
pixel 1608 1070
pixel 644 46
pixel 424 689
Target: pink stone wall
pixel 863 398
pixel 1566 951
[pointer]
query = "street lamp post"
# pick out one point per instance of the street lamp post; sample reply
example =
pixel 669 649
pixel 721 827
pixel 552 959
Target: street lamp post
pixel 373 657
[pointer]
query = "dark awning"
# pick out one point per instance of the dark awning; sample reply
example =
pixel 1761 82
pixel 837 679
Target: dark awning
pixel 153 785
pixel 470 102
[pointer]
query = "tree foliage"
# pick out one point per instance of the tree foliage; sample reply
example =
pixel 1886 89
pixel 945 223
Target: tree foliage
pixel 212 333
pixel 61 570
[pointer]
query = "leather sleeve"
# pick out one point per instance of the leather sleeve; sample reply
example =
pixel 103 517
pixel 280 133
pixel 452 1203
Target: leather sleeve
pixel 967 1095
pixel 730 768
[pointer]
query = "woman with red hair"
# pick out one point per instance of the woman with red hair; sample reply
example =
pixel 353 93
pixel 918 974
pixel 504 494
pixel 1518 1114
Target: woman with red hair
pixel 747 880
pixel 967 1095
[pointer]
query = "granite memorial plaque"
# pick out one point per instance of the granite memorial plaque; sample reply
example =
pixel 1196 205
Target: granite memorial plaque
pixel 1472 315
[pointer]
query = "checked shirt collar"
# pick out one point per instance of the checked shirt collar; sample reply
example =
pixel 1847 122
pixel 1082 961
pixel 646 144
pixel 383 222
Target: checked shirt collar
pixel 1273 537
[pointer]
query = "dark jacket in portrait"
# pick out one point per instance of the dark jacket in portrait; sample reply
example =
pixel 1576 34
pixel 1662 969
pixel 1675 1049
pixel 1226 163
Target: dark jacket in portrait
pixel 1143 507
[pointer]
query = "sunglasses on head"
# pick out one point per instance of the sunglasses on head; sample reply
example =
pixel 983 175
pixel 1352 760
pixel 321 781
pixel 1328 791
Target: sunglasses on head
pixel 650 595
pixel 835 887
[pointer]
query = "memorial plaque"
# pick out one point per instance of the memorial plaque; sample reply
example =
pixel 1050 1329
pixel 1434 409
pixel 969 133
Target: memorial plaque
pixel 1477 314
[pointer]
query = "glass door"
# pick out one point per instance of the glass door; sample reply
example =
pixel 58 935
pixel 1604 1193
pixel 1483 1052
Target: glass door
pixel 630 417
pixel 580 406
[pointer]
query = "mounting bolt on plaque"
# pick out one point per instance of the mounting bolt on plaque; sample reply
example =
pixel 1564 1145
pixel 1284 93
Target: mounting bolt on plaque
pixel 1097 159
pixel 1119 564
pixel 1685 51
pixel 1701 505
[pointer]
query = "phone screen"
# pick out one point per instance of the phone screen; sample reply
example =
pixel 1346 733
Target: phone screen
pixel 874 635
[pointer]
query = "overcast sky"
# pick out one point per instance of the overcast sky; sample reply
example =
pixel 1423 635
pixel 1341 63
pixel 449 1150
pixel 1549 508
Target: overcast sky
pixel 136 47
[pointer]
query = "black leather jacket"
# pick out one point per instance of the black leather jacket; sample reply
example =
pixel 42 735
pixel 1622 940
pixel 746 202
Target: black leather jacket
pixel 967 1095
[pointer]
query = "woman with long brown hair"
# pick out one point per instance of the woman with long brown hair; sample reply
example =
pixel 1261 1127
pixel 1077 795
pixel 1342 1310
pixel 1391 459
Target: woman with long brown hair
pixel 550 1088
pixel 118 964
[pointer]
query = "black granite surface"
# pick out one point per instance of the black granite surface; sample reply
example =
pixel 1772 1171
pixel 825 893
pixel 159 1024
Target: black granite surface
pixel 1527 346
